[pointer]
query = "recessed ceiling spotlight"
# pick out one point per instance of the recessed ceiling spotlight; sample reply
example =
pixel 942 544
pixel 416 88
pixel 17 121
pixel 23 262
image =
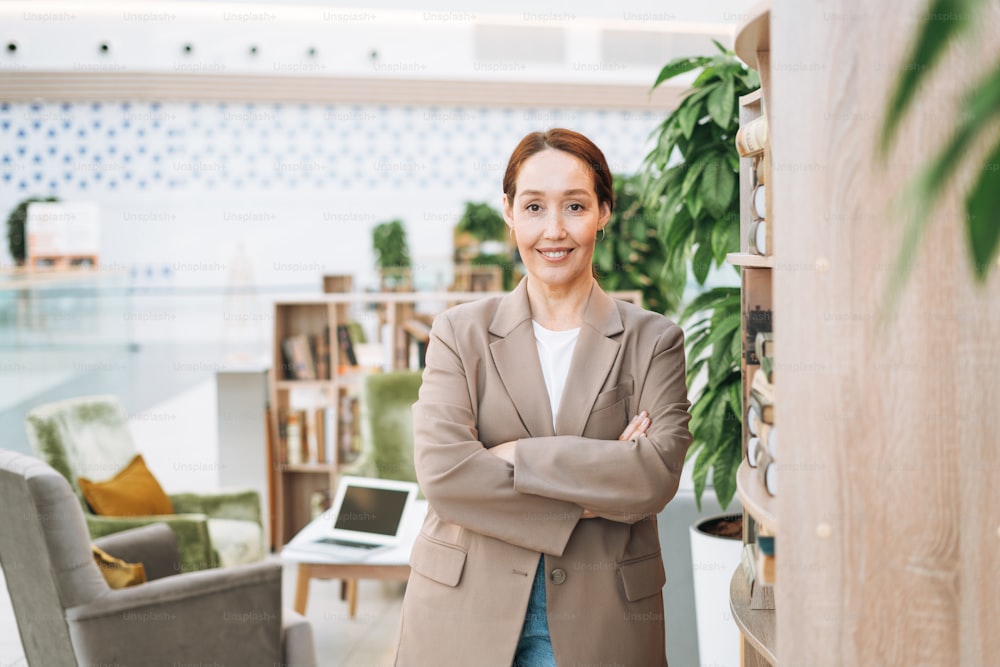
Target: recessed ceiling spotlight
pixel 11 47
pixel 312 52
pixel 253 50
pixel 103 47
pixel 187 48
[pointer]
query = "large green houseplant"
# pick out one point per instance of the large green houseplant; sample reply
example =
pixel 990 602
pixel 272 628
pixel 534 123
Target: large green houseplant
pixel 690 182
pixel 631 255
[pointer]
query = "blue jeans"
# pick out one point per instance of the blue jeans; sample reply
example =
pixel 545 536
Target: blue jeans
pixel 534 648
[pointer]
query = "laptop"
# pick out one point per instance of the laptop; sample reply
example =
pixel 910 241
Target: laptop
pixel 365 518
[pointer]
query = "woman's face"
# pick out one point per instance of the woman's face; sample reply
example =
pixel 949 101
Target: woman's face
pixel 555 216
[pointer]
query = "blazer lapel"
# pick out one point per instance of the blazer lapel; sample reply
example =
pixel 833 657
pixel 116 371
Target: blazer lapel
pixel 593 360
pixel 516 357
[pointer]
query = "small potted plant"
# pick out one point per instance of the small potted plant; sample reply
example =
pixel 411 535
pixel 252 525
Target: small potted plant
pixel 17 237
pixel 392 256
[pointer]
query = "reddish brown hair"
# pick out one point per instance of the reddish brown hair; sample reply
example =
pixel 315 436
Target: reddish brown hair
pixel 567 141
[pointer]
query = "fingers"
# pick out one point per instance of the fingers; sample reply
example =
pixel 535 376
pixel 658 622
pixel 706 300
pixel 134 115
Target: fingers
pixel 636 427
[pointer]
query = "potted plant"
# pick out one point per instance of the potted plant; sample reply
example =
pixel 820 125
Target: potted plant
pixel 690 182
pixel 631 256
pixel 17 239
pixel 481 240
pixel 392 255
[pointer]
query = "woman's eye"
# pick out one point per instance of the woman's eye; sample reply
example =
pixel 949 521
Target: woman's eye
pixel 534 208
pixel 575 207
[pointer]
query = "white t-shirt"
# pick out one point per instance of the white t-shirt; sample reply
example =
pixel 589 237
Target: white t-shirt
pixel 555 351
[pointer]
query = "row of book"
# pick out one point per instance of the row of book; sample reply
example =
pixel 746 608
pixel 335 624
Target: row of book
pixel 752 143
pixel 762 443
pixel 308 356
pixel 759 568
pixel 320 435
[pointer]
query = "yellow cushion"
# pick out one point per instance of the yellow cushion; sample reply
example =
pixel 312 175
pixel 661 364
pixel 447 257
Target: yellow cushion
pixel 132 492
pixel 117 572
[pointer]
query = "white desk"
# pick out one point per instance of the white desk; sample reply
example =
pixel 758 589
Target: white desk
pixel 385 564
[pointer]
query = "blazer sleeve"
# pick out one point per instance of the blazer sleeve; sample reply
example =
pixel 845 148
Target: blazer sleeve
pixel 622 480
pixel 463 482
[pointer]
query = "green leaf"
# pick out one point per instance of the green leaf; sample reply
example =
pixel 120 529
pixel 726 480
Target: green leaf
pixel 687 116
pixel 718 183
pixel 702 262
pixel 724 471
pixel 693 172
pixel 982 218
pixel 944 20
pixel 721 103
pixel 679 66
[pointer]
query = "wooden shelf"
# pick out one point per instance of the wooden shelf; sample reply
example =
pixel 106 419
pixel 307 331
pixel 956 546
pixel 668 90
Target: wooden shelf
pixel 309 467
pixel 757 625
pixel 303 384
pixel 749 259
pixel 757 502
pixel 753 35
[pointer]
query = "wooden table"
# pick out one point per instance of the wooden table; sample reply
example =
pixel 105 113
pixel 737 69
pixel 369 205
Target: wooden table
pixel 386 564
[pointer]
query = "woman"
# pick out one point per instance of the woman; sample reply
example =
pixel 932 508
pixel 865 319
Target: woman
pixel 551 429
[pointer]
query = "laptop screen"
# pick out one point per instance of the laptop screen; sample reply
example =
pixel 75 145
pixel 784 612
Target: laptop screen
pixel 371 510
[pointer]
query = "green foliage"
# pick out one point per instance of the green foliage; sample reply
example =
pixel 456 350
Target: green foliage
pixel 690 178
pixel 631 256
pixel 690 181
pixel 714 341
pixel 505 263
pixel 390 245
pixel 16 236
pixel 483 222
pixel 978 115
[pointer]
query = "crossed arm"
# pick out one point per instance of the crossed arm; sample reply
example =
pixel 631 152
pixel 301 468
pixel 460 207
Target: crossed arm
pixel 636 428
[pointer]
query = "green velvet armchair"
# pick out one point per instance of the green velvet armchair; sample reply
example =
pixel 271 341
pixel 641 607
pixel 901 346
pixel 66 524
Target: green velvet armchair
pixel 387 425
pixel 89 437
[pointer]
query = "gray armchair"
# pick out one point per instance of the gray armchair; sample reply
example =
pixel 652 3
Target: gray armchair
pixel 67 614
pixel 90 437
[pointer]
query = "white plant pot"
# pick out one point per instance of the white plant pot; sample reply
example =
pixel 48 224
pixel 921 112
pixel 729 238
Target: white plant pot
pixel 713 562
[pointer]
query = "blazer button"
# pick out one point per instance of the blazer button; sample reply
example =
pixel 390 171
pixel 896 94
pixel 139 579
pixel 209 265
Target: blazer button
pixel 558 575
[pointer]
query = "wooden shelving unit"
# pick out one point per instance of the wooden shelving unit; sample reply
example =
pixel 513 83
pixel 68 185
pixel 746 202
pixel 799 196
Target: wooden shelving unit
pixel 885 400
pixel 758 626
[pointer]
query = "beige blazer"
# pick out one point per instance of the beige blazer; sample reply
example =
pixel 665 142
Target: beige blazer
pixel 473 563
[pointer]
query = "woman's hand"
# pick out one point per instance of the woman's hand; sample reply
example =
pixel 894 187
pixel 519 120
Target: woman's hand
pixel 637 427
pixel 504 451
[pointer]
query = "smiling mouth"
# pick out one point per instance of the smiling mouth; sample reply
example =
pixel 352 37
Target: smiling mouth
pixel 554 254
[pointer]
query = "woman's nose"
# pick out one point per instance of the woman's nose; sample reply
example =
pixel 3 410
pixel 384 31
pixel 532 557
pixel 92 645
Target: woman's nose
pixel 554 227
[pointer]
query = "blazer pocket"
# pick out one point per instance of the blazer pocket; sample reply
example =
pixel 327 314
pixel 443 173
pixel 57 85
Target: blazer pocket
pixel 642 577
pixel 436 560
pixel 611 396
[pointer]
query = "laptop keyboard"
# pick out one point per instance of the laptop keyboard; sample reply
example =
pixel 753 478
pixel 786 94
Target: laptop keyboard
pixel 347 543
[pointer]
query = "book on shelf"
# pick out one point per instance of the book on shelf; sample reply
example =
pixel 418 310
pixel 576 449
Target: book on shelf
pixel 765 560
pixel 299 357
pixel 756 320
pixel 321 347
pixel 346 354
pixel 292 434
pixel 761 595
pixel 751 138
pixel 763 346
pixel 419 332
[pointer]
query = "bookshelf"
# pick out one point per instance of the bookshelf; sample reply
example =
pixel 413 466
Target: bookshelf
pixel 296 482
pixel 886 519
pixel 757 626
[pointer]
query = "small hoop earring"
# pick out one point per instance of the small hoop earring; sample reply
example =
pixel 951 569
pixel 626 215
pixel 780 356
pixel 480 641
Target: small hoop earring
pixel 603 234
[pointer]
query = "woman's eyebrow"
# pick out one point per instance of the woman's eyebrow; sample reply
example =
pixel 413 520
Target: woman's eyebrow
pixel 576 192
